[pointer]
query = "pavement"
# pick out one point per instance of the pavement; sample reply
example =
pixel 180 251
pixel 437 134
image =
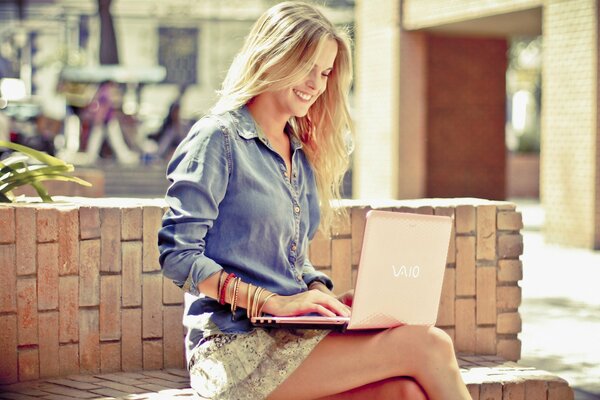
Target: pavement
pixel 560 307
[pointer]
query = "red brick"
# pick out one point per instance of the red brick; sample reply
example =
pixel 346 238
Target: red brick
pixel 153 354
pixel 465 266
pixel 152 217
pixel 341 264
pixel 509 322
pixel 89 341
pixel 510 270
pixel 510 246
pixel 132 274
pixel 47 225
pixel 131 341
pixel 490 391
pixel 89 222
pixel 535 389
pixel 8 278
pixel 359 219
pixel 559 390
pixel 29 365
pixel 465 326
pixel 48 338
pixel 27 314
pixel 486 295
pixel 449 212
pixel 47 276
pixel 510 221
pixel 110 357
pixel 7 224
pixel 8 349
pixel 89 273
pixel 509 349
pixel 68 303
pixel 152 323
pixel 26 244
pixel 110 307
pixel 465 220
pixel 446 309
pixel 514 390
pixel 68 241
pixel 131 223
pixel 485 341
pixel 473 391
pixel 174 338
pixel 508 297
pixel 172 294
pixel 110 235
pixel 320 251
pixel 68 359
pixel 486 233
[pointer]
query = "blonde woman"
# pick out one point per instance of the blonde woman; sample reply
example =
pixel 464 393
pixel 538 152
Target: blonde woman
pixel 250 185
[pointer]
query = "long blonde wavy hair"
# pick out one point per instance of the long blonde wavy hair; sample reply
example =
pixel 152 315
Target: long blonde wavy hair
pixel 279 52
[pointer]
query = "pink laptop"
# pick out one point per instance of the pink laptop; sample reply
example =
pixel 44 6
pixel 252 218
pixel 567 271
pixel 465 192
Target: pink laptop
pixel 400 275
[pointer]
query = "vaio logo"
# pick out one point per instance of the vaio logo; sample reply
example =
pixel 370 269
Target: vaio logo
pixel 406 272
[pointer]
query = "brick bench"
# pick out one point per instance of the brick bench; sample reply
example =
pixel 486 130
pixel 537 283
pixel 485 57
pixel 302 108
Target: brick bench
pixel 487 377
pixel 83 292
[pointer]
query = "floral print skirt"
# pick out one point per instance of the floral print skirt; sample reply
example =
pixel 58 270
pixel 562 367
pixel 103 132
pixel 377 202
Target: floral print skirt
pixel 249 366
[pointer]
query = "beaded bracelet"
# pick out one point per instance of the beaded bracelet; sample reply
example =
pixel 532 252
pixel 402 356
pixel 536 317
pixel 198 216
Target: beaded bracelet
pixel 223 290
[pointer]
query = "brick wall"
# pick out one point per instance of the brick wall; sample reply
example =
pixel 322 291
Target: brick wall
pixel 82 290
pixel 466 152
pixel 570 161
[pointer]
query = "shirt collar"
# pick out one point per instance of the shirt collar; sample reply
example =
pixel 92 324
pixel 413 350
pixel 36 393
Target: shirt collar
pixel 248 128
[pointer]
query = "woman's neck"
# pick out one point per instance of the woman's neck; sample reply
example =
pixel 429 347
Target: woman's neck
pixel 264 113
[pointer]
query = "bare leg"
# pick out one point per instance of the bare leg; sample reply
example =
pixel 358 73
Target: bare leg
pixel 342 362
pixel 392 388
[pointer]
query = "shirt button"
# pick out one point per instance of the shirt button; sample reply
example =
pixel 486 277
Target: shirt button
pixel 297 209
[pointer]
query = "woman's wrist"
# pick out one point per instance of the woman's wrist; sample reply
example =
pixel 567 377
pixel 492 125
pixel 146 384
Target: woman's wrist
pixel 318 285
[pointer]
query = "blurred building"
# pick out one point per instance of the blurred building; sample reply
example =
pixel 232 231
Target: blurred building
pixel 431 103
pixel 194 39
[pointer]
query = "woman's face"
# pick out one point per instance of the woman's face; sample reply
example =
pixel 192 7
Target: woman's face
pixel 296 100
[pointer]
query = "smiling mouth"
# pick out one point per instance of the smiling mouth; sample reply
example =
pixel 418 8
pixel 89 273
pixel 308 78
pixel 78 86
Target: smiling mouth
pixel 302 95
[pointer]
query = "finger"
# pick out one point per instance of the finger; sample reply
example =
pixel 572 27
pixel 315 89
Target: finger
pixel 324 311
pixel 337 307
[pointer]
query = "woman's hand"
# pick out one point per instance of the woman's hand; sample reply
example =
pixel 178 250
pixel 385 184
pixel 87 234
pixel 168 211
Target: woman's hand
pixel 347 298
pixel 312 301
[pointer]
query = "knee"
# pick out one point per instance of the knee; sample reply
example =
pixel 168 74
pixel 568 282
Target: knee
pixel 436 346
pixel 440 341
pixel 408 389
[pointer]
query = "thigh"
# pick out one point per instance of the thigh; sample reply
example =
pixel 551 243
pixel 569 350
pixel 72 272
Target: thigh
pixel 391 388
pixel 342 362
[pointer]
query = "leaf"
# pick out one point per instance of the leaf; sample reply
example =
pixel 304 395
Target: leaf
pixel 47 177
pixel 42 192
pixel 38 155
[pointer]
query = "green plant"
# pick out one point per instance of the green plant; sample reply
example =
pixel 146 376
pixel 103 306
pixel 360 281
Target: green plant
pixel 15 171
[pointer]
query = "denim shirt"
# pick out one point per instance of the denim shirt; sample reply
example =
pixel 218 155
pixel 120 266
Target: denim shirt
pixel 232 206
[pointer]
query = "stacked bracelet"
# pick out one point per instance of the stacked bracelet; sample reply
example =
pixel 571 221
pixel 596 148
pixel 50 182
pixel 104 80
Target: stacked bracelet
pixel 223 289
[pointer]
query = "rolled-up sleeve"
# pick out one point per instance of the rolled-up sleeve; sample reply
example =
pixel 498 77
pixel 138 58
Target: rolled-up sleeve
pixel 310 274
pixel 199 174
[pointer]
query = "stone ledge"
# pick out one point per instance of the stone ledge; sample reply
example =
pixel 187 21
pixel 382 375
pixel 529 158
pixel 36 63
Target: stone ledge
pixel 493 378
pixel 487 377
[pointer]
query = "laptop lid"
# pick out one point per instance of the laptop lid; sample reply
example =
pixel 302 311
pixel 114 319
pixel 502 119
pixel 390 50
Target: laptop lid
pixel 401 270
